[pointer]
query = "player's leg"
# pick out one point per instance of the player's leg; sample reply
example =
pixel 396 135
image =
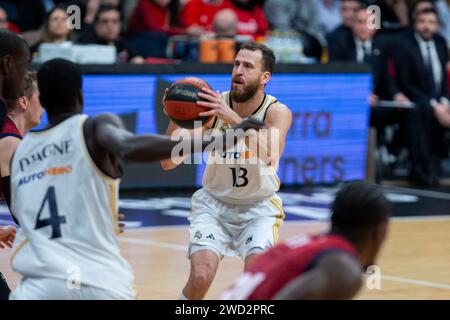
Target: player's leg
pixel 4 288
pixel 208 242
pixel 204 265
pixel 263 230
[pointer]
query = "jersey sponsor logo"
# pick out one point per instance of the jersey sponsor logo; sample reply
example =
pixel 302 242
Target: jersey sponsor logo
pixel 55 171
pixel 249 239
pixel 48 151
pixel 236 155
pixel 211 236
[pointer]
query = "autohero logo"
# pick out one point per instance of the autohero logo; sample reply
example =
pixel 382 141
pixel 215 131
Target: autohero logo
pixel 55 171
pixel 230 147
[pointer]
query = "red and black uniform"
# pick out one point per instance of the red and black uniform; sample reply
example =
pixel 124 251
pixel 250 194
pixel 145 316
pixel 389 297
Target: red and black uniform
pixel 273 270
pixel 9 130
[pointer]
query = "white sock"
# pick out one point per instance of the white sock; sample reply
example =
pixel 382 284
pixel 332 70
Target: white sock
pixel 182 297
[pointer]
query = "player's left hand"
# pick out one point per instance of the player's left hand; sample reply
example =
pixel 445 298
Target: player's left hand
pixel 7 236
pixel 218 107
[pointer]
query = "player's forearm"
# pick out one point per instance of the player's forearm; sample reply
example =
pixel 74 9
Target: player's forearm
pixel 172 163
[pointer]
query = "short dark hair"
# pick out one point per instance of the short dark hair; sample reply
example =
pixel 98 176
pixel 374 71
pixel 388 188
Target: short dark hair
pixel 60 82
pixel 106 8
pixel 268 57
pixel 12 44
pixel 426 11
pixel 416 4
pixel 359 205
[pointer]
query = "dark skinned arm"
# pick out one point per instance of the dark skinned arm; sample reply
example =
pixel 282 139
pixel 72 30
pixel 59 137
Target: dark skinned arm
pixel 336 276
pixel 112 136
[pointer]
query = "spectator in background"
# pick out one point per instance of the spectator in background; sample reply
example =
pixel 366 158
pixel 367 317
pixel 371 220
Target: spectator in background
pixel 225 23
pixel 92 7
pixel 25 14
pixel 420 60
pixel 106 31
pixel 3 19
pixel 298 15
pixel 55 29
pixel 250 18
pixel 5 23
pixel 363 45
pixel 443 10
pixel 198 15
pixel 348 11
pixel 329 14
pixel 156 16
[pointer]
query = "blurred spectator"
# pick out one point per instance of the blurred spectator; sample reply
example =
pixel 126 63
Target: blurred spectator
pixel 198 15
pixel 156 16
pixel 365 46
pixel 298 15
pixel 225 23
pixel 442 7
pixel 251 18
pixel 106 31
pixel 421 58
pixel 329 14
pixel 92 7
pixel 348 11
pixel 5 23
pixel 26 14
pixel 55 29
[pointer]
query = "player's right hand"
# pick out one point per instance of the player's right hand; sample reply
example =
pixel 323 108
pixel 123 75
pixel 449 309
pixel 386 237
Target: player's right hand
pixel 7 236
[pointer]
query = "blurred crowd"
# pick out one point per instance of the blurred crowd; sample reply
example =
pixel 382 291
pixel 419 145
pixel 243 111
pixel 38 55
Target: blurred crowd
pixel 298 30
pixel 407 49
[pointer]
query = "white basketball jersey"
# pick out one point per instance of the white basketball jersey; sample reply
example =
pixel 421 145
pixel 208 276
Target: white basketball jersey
pixel 68 211
pixel 231 177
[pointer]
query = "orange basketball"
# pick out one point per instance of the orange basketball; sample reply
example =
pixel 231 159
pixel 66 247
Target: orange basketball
pixel 180 102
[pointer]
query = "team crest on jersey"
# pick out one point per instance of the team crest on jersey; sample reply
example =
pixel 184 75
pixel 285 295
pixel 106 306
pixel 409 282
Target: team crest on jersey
pixel 198 235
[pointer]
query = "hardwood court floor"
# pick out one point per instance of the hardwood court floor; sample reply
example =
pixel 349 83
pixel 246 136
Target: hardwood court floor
pixel 415 260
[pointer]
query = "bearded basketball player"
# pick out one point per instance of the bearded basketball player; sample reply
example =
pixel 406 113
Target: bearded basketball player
pixel 237 212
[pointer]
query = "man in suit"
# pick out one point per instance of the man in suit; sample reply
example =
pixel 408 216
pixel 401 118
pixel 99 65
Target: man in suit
pixel 338 36
pixel 363 45
pixel 420 61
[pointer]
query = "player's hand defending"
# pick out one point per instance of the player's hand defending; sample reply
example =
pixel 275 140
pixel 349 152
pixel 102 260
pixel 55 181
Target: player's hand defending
pixel 218 107
pixel 7 236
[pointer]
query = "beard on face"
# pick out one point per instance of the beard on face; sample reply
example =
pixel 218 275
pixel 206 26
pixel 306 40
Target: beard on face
pixel 246 93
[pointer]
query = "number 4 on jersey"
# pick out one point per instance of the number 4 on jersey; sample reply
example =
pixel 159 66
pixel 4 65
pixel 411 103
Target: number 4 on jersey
pixel 55 220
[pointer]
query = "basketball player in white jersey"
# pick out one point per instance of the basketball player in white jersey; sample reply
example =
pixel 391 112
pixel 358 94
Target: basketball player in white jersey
pixel 64 186
pixel 237 212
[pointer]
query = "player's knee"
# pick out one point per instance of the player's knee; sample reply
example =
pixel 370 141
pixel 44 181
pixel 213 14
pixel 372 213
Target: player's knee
pixel 201 279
